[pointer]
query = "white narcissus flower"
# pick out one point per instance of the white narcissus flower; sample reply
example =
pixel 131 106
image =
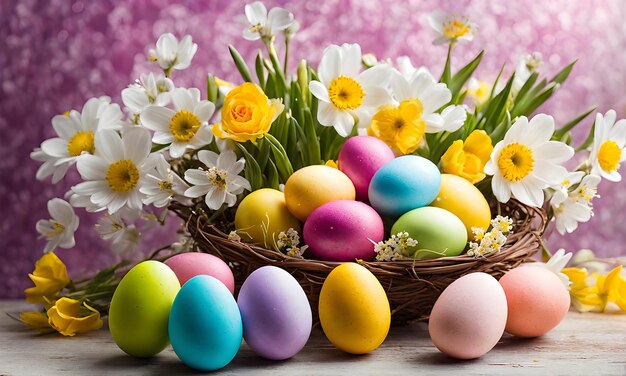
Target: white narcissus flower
pixel 162 184
pixel 572 206
pixel 557 262
pixel 76 135
pixel 478 91
pixel 220 182
pixel 172 54
pixel 124 237
pixel 407 69
pixel 453 118
pixel 346 93
pixel 526 66
pixel 609 143
pixel 146 91
pixel 526 162
pixel 264 25
pixel 185 127
pixel 115 172
pixel 58 230
pixel 451 28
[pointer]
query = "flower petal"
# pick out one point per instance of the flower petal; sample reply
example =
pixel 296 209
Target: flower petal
pixel 319 91
pixel 157 118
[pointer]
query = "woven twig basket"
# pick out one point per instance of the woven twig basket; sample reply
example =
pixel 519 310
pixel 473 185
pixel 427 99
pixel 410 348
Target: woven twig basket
pixel 412 286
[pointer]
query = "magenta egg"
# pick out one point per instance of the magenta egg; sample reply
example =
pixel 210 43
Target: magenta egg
pixel 343 231
pixel 189 265
pixel 360 157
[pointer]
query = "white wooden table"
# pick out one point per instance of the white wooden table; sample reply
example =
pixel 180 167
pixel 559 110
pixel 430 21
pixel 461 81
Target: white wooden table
pixel 584 344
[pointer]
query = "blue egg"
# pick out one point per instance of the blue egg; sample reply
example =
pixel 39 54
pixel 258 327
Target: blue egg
pixel 205 326
pixel 404 184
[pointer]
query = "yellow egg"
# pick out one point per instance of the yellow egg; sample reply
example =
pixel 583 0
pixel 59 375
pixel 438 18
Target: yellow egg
pixel 463 199
pixel 262 215
pixel 354 310
pixel 313 186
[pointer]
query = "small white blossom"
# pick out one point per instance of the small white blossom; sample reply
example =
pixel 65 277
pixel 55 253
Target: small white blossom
pixel 59 229
pixel 451 28
pixel 557 262
pixel 162 184
pixel 148 89
pixel 397 247
pixel 264 25
pixel 571 201
pixel 123 237
pixel 172 54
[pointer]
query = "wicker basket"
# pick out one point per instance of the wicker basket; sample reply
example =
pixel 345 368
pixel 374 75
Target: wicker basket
pixel 412 286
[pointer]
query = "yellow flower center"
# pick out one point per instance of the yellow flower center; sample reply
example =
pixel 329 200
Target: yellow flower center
pixel 165 185
pixel 122 176
pixel 346 93
pixel 184 125
pixel 455 28
pixel 515 162
pixel 401 127
pixel 55 230
pixel 80 142
pixel 609 156
pixel 217 177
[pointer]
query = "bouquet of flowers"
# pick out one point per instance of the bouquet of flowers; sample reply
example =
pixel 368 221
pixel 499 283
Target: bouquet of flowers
pixel 357 159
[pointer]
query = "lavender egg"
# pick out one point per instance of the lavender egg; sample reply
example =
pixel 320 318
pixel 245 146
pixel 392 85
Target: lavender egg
pixel 276 313
pixel 343 231
pixel 360 157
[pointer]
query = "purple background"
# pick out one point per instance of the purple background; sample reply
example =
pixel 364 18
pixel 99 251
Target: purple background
pixel 56 54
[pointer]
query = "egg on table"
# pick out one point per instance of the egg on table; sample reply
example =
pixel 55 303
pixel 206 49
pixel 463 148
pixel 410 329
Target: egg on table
pixel 276 313
pixel 353 309
pixel 190 264
pixel 469 317
pixel 140 308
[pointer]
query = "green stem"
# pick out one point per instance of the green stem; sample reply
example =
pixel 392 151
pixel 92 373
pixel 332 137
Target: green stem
pixel 286 55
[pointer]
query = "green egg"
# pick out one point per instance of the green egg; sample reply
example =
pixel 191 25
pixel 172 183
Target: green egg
pixel 140 309
pixel 438 232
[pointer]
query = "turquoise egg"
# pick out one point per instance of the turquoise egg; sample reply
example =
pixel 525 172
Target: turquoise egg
pixel 205 326
pixel 404 184
pixel 438 232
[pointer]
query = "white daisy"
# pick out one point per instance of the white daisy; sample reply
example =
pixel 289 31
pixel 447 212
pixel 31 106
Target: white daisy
pixel 58 230
pixel 451 28
pixel 220 182
pixel 49 166
pixel 344 92
pixel 124 237
pixel 609 142
pixel 76 134
pixel 172 54
pixel 146 91
pixel 573 206
pixel 264 25
pixel 114 174
pixel 557 262
pixel 162 184
pixel 185 127
pixel 526 161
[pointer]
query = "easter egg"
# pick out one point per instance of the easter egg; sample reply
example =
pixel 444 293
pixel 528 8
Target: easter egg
pixel 343 231
pixel 313 186
pixel 404 184
pixel 537 300
pixel 262 215
pixel 360 157
pixel 463 199
pixel 438 232
pixel 140 308
pixel 205 324
pixel 469 316
pixel 354 310
pixel 191 264
pixel 276 313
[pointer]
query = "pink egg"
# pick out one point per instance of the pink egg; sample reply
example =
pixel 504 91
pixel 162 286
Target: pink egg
pixel 360 157
pixel 469 317
pixel 537 299
pixel 189 265
pixel 343 231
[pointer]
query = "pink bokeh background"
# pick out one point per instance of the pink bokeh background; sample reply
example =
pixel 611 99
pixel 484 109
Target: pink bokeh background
pixel 55 54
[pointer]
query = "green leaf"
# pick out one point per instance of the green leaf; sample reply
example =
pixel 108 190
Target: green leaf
pixel 572 123
pixel 211 88
pixel 588 141
pixel 252 170
pixel 280 75
pixel 497 107
pixel 564 73
pixel 445 76
pixel 260 72
pixel 313 143
pixel 283 163
pixel 272 175
pixel 242 67
pixel 521 94
pixel 460 78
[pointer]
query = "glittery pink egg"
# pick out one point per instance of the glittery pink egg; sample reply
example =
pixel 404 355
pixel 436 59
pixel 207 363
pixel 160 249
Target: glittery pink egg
pixel 343 231
pixel 360 158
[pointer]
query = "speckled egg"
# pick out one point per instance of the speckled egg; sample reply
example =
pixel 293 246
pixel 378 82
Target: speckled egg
pixel 463 199
pixel 262 215
pixel 537 299
pixel 343 231
pixel 438 232
pixel 354 310
pixel 360 157
pixel 404 184
pixel 468 318
pixel 276 313
pixel 312 186
pixel 191 264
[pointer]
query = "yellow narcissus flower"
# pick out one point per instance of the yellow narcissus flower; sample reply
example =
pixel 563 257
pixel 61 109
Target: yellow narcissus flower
pixel 401 127
pixel 467 159
pixel 247 114
pixel 69 317
pixel 35 320
pixel 588 296
pixel 50 276
pixel 331 163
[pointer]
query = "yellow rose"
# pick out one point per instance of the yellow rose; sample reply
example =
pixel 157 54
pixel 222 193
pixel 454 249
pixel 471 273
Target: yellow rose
pixel 69 317
pixel 401 127
pixel 247 114
pixel 49 277
pixel 467 159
